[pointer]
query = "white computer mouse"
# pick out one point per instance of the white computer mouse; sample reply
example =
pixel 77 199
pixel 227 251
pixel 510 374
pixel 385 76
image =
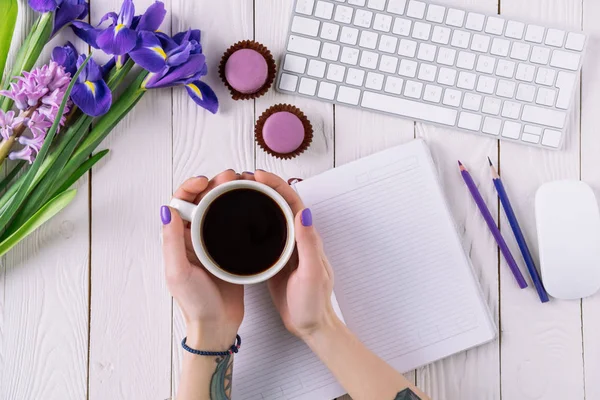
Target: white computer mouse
pixel 568 225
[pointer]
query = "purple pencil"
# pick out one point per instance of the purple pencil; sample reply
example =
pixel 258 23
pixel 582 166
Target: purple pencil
pixel 487 215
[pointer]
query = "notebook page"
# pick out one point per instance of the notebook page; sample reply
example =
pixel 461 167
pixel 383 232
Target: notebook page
pixel 274 364
pixel 402 279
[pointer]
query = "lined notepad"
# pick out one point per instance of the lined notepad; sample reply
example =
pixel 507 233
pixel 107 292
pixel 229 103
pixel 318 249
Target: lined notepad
pixel 402 280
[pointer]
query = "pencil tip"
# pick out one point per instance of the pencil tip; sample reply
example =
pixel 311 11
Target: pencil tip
pixel 490 161
pixel 459 163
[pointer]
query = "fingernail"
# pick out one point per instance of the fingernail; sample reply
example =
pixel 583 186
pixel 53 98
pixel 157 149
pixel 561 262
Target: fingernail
pixel 261 170
pixel 201 176
pixel 291 181
pixel 306 217
pixel 165 215
pixel 248 172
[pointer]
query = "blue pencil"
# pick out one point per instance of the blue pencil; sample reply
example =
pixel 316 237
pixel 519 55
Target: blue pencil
pixel 514 224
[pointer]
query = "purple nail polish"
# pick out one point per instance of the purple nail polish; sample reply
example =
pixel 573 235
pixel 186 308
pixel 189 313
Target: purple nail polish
pixel 201 176
pixel 306 217
pixel 165 215
pixel 248 172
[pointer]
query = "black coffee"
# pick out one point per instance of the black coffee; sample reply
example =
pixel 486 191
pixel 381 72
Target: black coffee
pixel 244 231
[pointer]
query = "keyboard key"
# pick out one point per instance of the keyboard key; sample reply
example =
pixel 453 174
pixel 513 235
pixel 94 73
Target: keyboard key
pixel 465 60
pixel 421 31
pixel 452 97
pixel 447 76
pixel 369 60
pixel 455 17
pixel 368 40
pixel 446 56
pixel 511 130
pixel 388 64
pixel 566 60
pixel 551 138
pixel 432 93
pixel 324 10
pixel 494 25
pixel 520 51
pixel 480 43
pixel 545 76
pixel 316 68
pixel 525 72
pixel 388 44
pixel 491 105
pixel 360 3
pixel 336 72
pixel 435 13
pixel 546 97
pixel 427 72
pixel 466 80
pixel 491 126
pixel 305 26
pixel 460 39
pixel 534 34
pixel 413 89
pixel 475 21
pixel 305 6
pixel 394 85
pixel 540 55
pixel 555 38
pixel 514 30
pixel 402 26
pixel 575 41
pixel 526 137
pixel 407 68
pixel 349 35
pixel 330 51
pixel 500 47
pixel 343 14
pixel 327 90
pixel 426 52
pixel 531 134
pixel 440 34
pixel 471 102
pixel 376 4
pixel 506 89
pixel 288 82
pixel 355 77
pixel 407 48
pixel 330 31
pixel 374 81
pixel 396 6
pixel 363 18
pixel 505 68
pixel 302 45
pixel 511 110
pixel 294 63
pixel 525 92
pixel 485 64
pixel 409 109
pixel 416 9
pixel 382 23
pixel 469 121
pixel 308 86
pixel 348 95
pixel 566 86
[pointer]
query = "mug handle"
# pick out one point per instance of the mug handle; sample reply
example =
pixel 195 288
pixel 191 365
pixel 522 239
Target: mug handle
pixel 185 209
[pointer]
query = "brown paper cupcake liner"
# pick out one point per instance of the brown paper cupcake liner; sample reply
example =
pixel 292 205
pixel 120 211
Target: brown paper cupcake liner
pixel 272 69
pixel 308 130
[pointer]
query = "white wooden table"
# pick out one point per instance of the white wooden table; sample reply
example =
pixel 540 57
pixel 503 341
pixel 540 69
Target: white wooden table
pixel 84 311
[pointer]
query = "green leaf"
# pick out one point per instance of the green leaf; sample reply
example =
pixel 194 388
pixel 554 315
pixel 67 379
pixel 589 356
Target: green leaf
pixel 11 174
pixel 9 10
pixel 83 168
pixel 49 210
pixel 16 202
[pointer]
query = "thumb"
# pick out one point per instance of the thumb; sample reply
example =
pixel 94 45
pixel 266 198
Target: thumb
pixel 174 251
pixel 308 242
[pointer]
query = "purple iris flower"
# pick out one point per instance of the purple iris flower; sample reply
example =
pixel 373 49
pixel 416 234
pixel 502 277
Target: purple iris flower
pixel 66 11
pixel 91 94
pixel 176 61
pixel 67 57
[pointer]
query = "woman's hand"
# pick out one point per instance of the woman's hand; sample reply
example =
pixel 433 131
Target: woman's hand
pixel 302 291
pixel 213 309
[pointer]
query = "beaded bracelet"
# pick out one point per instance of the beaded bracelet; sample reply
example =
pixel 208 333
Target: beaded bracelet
pixel 233 349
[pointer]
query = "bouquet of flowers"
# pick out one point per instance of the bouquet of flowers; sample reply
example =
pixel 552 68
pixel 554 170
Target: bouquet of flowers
pixel 53 117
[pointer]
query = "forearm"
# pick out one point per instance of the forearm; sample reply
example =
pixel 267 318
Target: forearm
pixel 364 375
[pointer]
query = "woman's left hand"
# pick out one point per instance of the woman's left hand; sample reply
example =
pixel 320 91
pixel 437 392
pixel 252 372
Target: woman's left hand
pixel 213 309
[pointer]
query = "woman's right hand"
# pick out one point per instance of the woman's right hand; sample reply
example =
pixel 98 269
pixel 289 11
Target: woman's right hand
pixel 302 291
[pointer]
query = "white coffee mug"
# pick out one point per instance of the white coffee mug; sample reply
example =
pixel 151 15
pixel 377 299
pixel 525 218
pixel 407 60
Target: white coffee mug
pixel 195 214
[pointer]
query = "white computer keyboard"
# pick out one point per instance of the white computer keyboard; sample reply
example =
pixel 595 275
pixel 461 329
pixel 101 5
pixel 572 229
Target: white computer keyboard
pixel 433 63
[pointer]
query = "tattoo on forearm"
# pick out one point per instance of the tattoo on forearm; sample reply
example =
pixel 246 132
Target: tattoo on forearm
pixel 220 383
pixel 407 394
